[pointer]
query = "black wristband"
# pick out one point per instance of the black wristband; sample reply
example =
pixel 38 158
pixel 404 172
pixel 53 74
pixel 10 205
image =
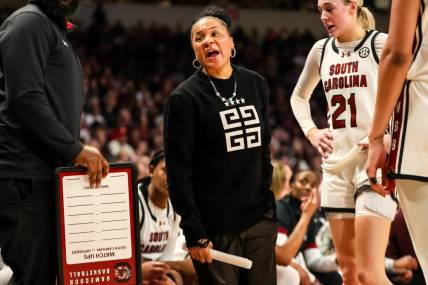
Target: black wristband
pixel 373 180
pixel 203 242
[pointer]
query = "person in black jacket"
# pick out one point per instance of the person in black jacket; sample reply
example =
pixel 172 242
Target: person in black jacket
pixel 41 98
pixel 298 220
pixel 217 141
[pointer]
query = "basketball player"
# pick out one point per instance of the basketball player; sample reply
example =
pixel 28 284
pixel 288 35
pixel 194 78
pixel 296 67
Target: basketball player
pixel 403 86
pixel 159 228
pixel 347 64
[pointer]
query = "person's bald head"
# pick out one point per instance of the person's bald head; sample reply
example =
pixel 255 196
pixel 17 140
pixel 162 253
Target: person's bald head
pixel 63 8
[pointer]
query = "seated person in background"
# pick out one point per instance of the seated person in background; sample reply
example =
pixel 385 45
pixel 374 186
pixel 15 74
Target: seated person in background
pixel 401 263
pixel 159 230
pixel 281 176
pixel 297 230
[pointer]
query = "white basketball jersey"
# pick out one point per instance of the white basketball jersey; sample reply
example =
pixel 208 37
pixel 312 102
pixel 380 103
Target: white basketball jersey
pixel 349 78
pixel 159 229
pixel 409 145
pixel 419 69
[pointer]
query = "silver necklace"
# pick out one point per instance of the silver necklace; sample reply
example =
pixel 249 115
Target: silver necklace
pixel 230 101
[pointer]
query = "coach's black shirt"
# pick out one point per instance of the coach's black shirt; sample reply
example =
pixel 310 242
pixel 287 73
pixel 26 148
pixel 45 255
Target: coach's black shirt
pixel 217 156
pixel 41 95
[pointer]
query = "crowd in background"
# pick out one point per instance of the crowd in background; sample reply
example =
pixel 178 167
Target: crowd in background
pixel 129 73
pixel 293 5
pixel 252 4
pixel 282 4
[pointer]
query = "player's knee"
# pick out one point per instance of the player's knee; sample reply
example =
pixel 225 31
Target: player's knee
pixel 349 275
pixel 366 277
pixel 369 273
pixel 349 269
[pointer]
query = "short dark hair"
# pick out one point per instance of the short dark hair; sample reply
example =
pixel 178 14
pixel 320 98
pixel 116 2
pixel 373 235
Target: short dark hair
pixel 156 158
pixel 308 171
pixel 214 11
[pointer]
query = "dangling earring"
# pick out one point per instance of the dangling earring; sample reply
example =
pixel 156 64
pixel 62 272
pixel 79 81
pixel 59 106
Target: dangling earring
pixel 195 61
pixel 233 53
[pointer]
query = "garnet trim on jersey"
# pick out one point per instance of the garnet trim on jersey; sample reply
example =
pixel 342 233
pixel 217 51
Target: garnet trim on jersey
pixel 282 230
pixel 401 114
pixel 401 118
pixel 311 245
pixel 397 141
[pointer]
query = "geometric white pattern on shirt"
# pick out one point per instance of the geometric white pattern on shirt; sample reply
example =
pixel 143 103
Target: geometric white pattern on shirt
pixel 242 136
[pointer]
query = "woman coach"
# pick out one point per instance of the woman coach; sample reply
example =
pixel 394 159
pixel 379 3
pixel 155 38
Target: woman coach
pixel 217 157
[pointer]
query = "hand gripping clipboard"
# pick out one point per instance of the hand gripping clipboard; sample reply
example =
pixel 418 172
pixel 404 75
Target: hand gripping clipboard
pixel 97 237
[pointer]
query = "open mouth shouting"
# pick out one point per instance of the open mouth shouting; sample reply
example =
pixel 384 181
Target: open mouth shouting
pixel 212 54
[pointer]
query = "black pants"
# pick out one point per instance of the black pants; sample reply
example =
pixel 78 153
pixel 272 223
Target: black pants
pixel 27 230
pixel 257 244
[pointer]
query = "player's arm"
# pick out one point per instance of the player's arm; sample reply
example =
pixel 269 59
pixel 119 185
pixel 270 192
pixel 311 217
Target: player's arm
pixel 305 278
pixel 305 85
pixel 308 80
pixel 288 249
pixel 395 62
pixel 315 261
pixel 154 271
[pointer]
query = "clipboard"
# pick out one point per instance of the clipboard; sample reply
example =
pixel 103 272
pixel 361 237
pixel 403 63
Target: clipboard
pixel 97 232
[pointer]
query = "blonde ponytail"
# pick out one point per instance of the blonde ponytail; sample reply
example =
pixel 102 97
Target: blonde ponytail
pixel 366 19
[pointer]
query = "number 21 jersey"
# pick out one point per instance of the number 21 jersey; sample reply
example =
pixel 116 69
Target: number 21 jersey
pixel 349 75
